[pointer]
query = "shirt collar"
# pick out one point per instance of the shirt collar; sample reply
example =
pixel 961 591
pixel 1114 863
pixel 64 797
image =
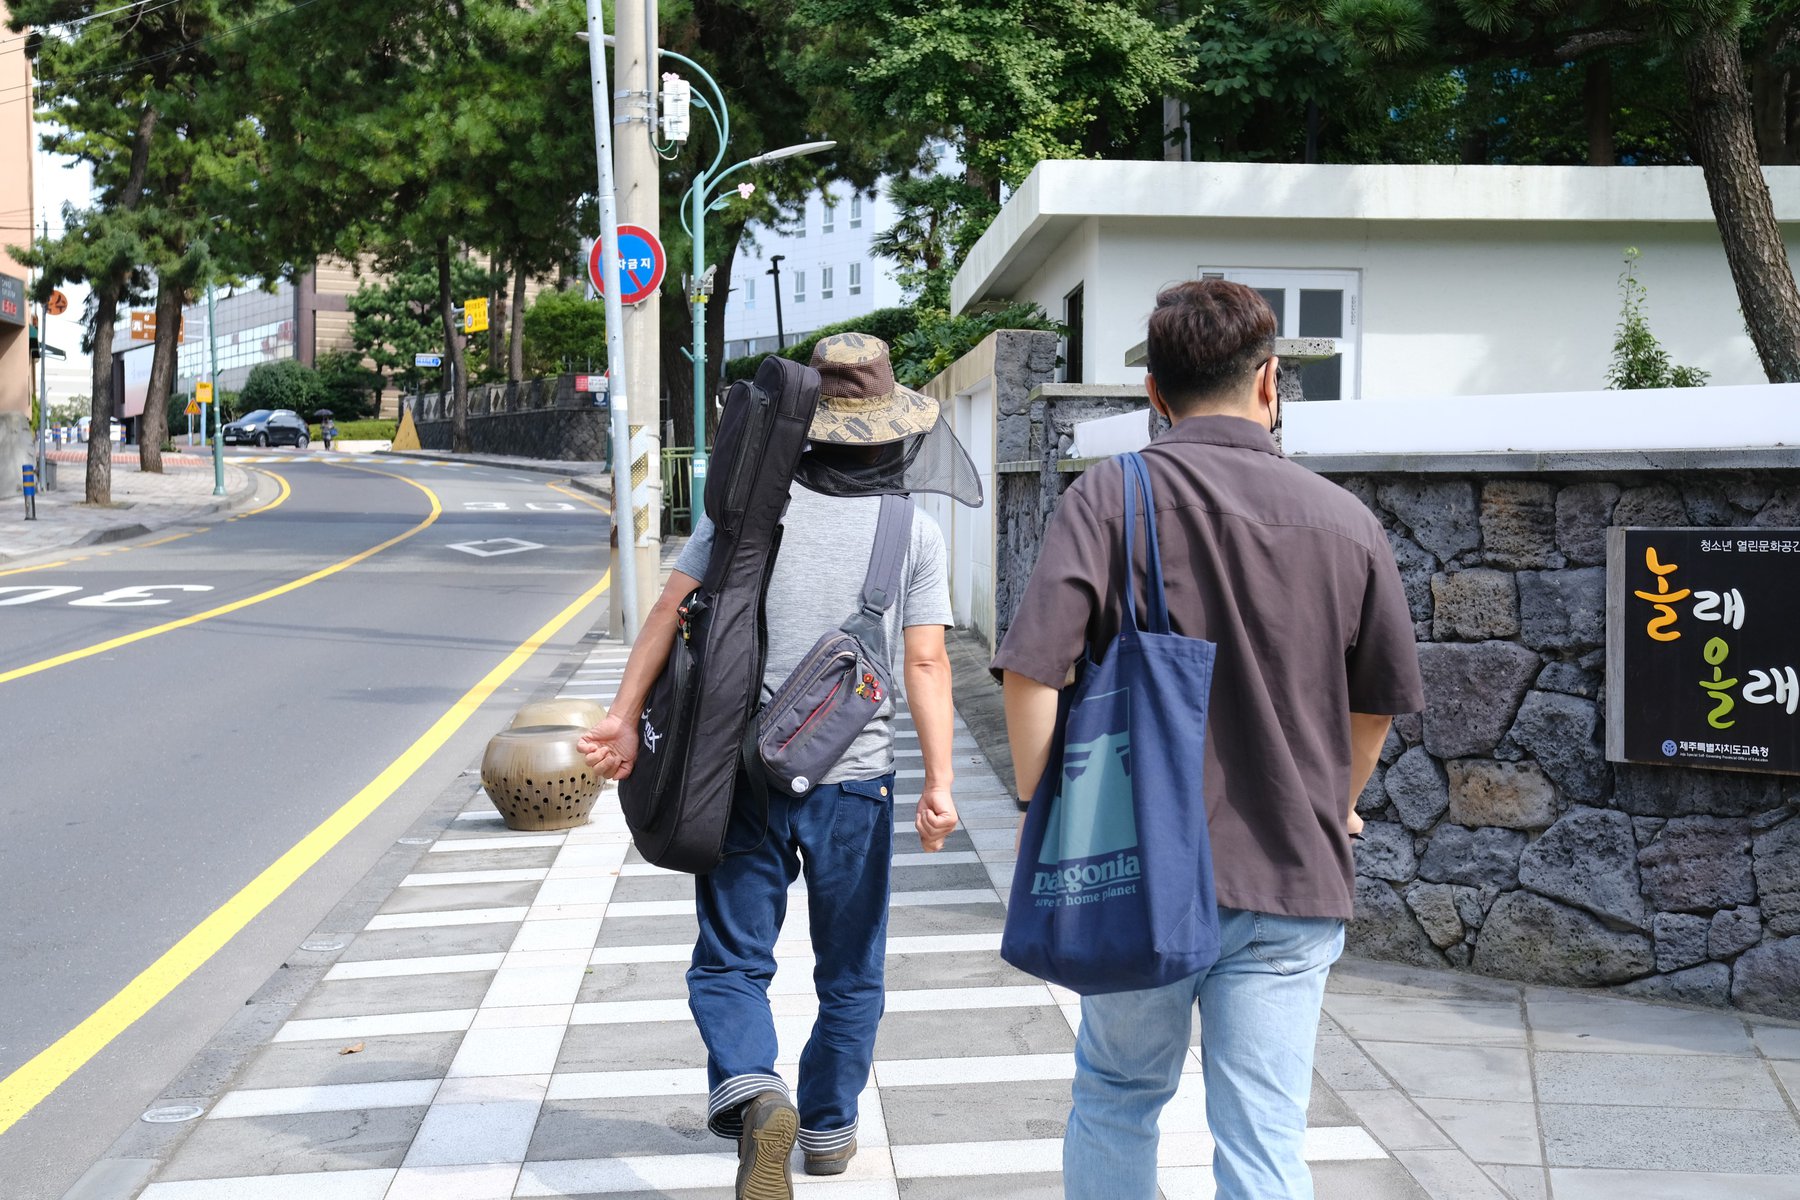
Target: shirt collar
pixel 1239 432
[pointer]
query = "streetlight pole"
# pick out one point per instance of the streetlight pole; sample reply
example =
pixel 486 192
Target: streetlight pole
pixel 775 270
pixel 217 406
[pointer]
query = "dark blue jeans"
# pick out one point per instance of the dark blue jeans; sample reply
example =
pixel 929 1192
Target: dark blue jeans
pixel 842 836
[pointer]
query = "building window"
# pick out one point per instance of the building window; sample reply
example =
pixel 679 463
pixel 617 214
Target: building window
pixel 799 287
pixel 825 282
pixel 856 279
pixel 828 221
pixel 1313 304
pixel 856 210
pixel 750 292
pixel 1072 318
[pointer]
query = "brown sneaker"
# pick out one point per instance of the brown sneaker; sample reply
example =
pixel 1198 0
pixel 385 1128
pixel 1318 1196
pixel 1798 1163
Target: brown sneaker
pixel 770 1125
pixel 832 1162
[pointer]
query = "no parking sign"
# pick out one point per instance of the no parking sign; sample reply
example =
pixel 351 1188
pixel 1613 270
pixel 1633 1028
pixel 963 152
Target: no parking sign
pixel 642 265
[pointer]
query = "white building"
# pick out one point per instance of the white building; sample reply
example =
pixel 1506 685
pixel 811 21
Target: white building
pixel 827 272
pixel 1440 281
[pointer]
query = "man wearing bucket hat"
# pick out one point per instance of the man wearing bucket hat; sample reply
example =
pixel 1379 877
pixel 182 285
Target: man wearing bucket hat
pixel 869 437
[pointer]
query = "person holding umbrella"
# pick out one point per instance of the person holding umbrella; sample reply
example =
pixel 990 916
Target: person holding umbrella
pixel 327 430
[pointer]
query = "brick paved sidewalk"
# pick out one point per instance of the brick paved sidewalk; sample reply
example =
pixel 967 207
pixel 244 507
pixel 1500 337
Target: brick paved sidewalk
pixel 142 503
pixel 518 1010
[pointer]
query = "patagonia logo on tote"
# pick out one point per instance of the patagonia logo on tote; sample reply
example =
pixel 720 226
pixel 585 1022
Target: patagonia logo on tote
pixel 1090 850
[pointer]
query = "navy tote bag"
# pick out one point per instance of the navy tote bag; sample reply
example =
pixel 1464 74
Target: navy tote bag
pixel 1113 891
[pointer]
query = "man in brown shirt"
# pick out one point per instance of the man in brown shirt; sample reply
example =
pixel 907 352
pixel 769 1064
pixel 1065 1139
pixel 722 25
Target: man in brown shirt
pixel 1294 581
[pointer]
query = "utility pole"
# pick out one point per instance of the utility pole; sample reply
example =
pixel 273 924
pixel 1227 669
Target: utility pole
pixel 638 177
pixel 775 271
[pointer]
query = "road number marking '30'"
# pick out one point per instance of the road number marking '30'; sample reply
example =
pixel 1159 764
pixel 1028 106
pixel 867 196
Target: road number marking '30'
pixel 530 506
pixel 141 596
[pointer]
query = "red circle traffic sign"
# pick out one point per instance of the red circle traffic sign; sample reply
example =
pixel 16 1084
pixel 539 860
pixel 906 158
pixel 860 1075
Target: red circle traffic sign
pixel 642 265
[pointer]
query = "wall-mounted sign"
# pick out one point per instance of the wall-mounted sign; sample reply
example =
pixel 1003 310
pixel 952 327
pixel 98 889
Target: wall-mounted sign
pixel 12 300
pixel 1702 648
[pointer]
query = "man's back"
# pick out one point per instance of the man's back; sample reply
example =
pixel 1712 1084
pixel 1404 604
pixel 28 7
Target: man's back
pixel 1293 579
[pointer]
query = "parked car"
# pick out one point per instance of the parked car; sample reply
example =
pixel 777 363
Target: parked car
pixel 267 427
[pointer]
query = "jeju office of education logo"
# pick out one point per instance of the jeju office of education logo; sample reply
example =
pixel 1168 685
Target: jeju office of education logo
pixel 1670 748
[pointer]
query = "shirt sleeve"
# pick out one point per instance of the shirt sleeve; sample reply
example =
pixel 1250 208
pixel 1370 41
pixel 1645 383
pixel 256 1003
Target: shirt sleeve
pixel 928 579
pixel 1383 662
pixel 695 555
pixel 1049 629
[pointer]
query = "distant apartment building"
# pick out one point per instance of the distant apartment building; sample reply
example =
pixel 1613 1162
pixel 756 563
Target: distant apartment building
pixel 16 211
pixel 827 271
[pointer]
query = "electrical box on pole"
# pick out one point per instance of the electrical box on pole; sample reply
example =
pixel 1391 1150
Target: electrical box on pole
pixel 677 100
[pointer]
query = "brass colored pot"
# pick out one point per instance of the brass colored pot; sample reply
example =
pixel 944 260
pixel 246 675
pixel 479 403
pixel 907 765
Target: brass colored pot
pixel 583 714
pixel 538 779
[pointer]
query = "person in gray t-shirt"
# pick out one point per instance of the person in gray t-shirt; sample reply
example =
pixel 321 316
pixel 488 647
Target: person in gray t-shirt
pixel 840 833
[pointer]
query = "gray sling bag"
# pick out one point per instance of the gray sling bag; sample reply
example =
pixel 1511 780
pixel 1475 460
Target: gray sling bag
pixel 814 716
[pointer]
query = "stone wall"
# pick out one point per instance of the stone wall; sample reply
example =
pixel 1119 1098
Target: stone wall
pixel 539 418
pixel 1499 839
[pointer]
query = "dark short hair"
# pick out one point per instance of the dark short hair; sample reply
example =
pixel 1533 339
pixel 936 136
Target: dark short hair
pixel 1204 337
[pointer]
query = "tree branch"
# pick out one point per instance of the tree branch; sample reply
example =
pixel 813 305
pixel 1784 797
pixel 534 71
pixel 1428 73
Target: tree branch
pixel 1599 39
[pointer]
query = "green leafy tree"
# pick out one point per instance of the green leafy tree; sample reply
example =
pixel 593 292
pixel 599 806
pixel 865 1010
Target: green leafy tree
pixel 564 331
pixel 392 321
pixel 285 384
pixel 347 386
pixel 1638 360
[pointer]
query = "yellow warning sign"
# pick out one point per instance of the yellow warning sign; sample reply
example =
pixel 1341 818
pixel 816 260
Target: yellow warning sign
pixel 203 393
pixel 193 408
pixel 475 316
pixel 407 436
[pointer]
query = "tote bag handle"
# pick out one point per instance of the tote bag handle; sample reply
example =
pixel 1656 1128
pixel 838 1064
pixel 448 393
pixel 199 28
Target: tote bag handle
pixel 1137 481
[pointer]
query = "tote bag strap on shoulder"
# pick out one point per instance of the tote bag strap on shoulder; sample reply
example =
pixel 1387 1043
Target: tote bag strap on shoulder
pixel 1137 482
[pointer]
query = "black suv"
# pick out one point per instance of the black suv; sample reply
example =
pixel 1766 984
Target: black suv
pixel 266 427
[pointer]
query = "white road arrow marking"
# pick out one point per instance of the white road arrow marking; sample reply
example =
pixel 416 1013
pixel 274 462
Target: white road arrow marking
pixel 498 546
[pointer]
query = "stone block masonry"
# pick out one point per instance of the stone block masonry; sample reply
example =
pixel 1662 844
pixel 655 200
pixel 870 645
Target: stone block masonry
pixel 1503 840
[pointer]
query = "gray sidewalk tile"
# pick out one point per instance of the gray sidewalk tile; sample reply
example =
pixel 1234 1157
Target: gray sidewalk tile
pixel 331 1141
pixel 987 1187
pixel 457 1134
pixel 455 896
pixel 920 920
pixel 1411 1019
pixel 1325 1109
pixel 972 1033
pixel 1667 1185
pixel 1455 1072
pixel 1395 1120
pixel 1360 1181
pixel 1593 1024
pixel 634 888
pixel 1449 1175
pixel 957 969
pixel 381 1060
pixel 1670 1139
pixel 1789 1074
pixel 976 1112
pixel 374 945
pixel 622 1127
pixel 634 981
pixel 395 994
pixel 1777 1041
pixel 1362 976
pixel 487 860
pixel 649 931
pixel 1672 1081
pixel 1343 1065
pixel 934 877
pixel 648 1046
pixel 1521 1183
pixel 1489 1131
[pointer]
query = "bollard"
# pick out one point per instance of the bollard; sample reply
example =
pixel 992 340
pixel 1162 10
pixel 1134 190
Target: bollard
pixel 30 490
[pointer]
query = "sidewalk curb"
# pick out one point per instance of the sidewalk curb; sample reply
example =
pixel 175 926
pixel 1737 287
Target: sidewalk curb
pixel 210 508
pixel 126 1166
pixel 567 470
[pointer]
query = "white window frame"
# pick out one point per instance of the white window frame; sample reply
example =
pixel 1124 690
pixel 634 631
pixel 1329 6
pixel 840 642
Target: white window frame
pixel 799 287
pixel 856 210
pixel 828 218
pixel 750 292
pixel 826 283
pixel 856 279
pixel 1293 281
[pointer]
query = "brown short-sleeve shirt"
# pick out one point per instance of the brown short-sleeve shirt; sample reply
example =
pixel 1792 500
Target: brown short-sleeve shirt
pixel 1294 580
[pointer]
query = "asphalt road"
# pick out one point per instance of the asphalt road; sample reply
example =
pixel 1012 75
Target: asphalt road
pixel 144 780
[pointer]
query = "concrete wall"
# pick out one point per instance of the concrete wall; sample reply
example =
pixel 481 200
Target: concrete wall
pixel 540 418
pixel 1499 839
pixel 16 209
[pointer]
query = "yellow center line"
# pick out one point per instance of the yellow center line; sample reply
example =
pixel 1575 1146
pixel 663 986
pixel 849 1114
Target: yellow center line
pixel 437 510
pixel 32 1083
pixel 572 494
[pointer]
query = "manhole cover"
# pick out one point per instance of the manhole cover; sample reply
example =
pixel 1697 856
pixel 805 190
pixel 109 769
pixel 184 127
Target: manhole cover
pixel 321 946
pixel 417 841
pixel 173 1115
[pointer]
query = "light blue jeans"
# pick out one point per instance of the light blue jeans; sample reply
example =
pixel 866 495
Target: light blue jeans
pixel 1259 1015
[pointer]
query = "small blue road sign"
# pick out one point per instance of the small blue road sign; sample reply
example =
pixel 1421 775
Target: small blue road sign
pixel 642 265
pixel 428 360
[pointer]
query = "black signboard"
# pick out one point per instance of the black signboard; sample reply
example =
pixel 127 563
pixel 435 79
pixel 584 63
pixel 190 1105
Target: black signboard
pixel 12 300
pixel 1703 648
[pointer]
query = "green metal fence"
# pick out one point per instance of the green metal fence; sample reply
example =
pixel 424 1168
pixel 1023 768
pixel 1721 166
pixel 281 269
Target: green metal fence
pixel 678 489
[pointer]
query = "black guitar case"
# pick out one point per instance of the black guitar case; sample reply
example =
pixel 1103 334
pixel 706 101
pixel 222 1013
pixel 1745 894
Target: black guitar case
pixel 677 799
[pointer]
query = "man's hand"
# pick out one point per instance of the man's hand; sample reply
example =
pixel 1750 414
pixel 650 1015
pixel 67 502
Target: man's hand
pixel 936 819
pixel 611 747
pixel 1355 823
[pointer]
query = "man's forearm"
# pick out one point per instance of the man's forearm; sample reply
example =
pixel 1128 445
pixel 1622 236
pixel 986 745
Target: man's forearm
pixel 1367 734
pixel 929 696
pixel 1030 726
pixel 651 650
